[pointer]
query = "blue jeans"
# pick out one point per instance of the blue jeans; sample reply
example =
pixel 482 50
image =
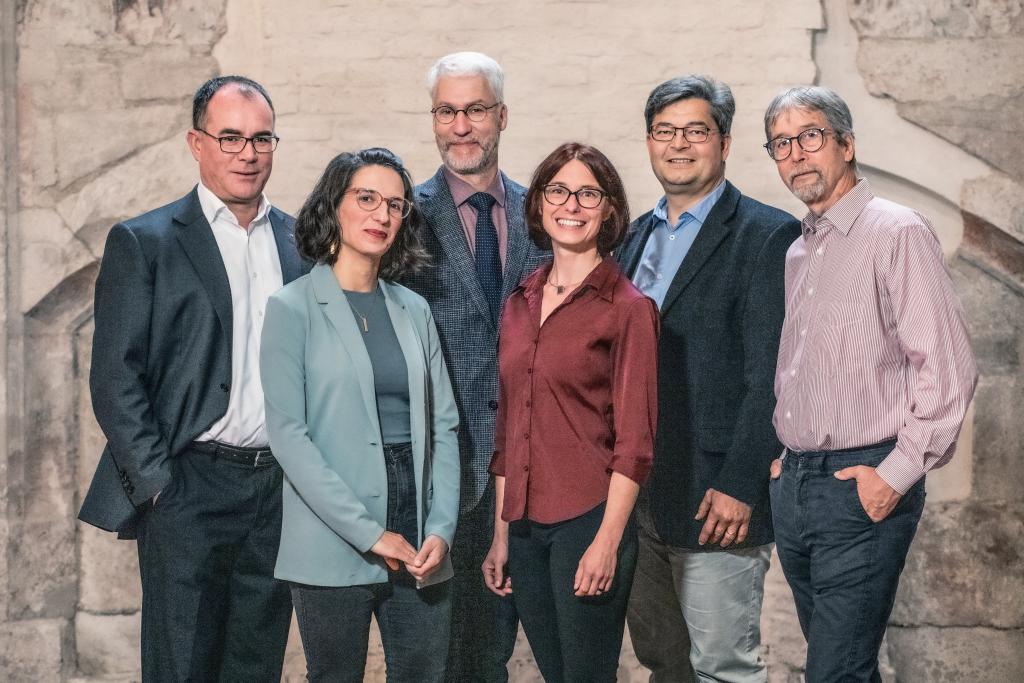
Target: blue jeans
pixel 842 567
pixel 696 615
pixel 334 622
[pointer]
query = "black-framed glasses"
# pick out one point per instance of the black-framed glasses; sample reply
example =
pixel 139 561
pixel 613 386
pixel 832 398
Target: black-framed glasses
pixel 667 133
pixel 810 140
pixel 233 144
pixel 587 197
pixel 474 112
pixel 369 200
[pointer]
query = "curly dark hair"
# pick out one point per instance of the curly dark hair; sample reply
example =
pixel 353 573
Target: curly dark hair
pixel 318 234
pixel 613 229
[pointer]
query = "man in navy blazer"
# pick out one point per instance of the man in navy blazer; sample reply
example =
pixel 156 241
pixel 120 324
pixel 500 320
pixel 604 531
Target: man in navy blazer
pixel 176 390
pixel 713 260
pixel 477 239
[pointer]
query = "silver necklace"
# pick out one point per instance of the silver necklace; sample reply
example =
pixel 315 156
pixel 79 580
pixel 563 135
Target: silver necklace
pixel 362 317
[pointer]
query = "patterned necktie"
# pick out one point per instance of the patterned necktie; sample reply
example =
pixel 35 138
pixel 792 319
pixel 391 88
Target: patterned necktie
pixel 488 264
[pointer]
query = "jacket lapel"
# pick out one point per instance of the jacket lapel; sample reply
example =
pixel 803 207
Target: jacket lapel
pixel 196 237
pixel 291 263
pixel 443 219
pixel 715 229
pixel 634 243
pixel 518 237
pixel 335 306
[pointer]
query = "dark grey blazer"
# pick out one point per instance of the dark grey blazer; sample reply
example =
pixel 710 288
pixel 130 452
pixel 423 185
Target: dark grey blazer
pixel 161 353
pixel 469 337
pixel 720 327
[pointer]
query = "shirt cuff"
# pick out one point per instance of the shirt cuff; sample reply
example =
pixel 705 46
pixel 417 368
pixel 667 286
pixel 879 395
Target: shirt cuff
pixel 497 467
pixel 899 471
pixel 636 469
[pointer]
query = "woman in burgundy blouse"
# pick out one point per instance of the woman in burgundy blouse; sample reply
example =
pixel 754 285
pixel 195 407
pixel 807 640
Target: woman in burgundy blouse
pixel 575 428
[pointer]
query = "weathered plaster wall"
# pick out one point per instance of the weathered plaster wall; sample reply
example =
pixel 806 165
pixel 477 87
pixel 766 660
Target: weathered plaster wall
pixel 95 105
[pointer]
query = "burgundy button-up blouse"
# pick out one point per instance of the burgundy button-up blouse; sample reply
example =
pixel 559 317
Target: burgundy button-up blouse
pixel 578 395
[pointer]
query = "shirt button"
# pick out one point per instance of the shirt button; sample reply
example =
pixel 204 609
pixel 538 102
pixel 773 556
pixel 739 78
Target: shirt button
pixel 803 332
pixel 819 251
pixel 811 291
pixel 529 371
pixel 789 415
pixel 671 237
pixel 792 373
pixel 526 468
pixel 659 276
pixel 529 403
pixel 526 436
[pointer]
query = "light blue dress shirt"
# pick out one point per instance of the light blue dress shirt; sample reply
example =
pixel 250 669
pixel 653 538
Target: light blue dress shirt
pixel 667 246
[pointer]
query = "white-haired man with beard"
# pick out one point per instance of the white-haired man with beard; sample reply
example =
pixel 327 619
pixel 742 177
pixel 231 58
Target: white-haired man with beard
pixel 476 235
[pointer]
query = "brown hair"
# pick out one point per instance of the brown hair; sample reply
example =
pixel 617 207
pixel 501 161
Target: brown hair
pixel 614 226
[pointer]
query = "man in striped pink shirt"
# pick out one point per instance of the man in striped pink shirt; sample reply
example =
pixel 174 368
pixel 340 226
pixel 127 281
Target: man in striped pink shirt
pixel 874 375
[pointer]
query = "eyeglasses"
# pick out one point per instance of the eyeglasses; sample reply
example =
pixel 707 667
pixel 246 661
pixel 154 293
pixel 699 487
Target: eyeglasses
pixel 810 140
pixel 666 133
pixel 474 112
pixel 233 144
pixel 369 200
pixel 587 197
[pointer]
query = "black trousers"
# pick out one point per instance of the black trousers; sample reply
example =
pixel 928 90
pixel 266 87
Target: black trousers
pixel 573 639
pixel 211 608
pixel 484 626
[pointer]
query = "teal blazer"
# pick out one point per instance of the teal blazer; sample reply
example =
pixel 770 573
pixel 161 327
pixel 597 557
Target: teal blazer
pixel 324 430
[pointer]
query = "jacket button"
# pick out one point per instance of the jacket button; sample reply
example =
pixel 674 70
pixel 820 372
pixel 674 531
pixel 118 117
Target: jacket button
pixel 492 404
pixel 225 387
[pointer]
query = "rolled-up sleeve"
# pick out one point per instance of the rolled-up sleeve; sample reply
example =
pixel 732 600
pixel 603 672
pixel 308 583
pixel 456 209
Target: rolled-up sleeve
pixel 635 391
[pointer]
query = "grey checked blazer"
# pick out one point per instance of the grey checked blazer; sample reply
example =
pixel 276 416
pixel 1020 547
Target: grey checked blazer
pixel 469 337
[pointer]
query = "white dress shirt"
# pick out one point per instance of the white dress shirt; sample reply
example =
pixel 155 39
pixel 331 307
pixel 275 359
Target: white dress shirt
pixel 254 273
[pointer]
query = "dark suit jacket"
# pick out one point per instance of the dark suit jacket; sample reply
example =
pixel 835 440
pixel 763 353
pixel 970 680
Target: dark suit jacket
pixel 720 327
pixel 469 337
pixel 161 354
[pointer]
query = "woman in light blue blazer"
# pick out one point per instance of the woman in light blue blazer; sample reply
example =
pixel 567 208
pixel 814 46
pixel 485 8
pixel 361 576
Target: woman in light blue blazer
pixel 361 417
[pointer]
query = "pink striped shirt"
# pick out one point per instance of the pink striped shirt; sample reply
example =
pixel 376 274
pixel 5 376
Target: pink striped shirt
pixel 874 344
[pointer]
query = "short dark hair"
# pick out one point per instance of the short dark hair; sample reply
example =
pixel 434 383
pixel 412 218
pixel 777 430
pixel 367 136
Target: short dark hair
pixel 206 91
pixel 715 93
pixel 613 228
pixel 318 233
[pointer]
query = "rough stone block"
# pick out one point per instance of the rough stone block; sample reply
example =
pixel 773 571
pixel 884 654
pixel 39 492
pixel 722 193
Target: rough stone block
pixel 43 568
pixel 108 644
pixel 997 474
pixel 113 135
pixel 33 650
pixel 942 70
pixel 49 252
pixel 936 18
pixel 108 572
pixel 964 567
pixel 998 199
pixel 165 74
pixel 951 655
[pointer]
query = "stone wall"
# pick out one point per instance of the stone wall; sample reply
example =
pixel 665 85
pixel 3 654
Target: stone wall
pixel 94 109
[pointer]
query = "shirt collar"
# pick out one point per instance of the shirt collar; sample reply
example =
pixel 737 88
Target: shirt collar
pixel 461 190
pixel 212 206
pixel 602 279
pixel 699 211
pixel 843 213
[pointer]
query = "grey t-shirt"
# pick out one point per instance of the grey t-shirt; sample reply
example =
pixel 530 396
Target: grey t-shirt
pixel 390 374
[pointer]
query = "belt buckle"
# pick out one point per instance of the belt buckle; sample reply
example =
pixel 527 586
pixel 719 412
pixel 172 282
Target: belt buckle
pixel 256 459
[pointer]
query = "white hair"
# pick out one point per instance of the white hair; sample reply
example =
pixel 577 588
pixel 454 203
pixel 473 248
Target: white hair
pixel 468 64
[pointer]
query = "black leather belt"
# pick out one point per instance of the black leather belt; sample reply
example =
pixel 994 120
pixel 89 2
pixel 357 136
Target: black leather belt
pixel 251 457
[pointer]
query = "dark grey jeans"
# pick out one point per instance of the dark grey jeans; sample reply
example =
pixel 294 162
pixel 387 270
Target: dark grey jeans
pixel 843 568
pixel 334 622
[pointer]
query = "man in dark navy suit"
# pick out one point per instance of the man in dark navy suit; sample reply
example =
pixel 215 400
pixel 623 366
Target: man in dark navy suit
pixel 713 260
pixel 476 235
pixel 176 390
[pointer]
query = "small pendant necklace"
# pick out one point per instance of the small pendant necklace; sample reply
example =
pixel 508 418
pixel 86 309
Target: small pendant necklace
pixel 560 288
pixel 359 314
